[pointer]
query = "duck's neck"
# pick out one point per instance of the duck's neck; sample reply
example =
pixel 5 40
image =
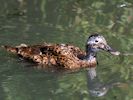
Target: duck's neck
pixel 91 58
pixel 90 54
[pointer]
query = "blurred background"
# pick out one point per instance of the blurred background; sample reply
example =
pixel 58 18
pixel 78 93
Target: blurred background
pixel 65 21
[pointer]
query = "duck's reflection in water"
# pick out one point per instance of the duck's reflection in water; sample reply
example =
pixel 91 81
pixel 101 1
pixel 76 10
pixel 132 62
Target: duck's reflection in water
pixel 96 87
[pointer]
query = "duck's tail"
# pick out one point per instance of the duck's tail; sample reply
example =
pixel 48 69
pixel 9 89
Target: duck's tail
pixel 10 49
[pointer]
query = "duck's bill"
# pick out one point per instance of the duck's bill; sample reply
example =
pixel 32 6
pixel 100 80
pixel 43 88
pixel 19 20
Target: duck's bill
pixel 111 50
pixel 115 53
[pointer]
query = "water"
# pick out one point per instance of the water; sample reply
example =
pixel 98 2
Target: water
pixel 72 22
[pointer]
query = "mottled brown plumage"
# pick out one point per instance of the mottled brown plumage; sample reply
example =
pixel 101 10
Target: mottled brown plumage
pixel 63 56
pixel 59 55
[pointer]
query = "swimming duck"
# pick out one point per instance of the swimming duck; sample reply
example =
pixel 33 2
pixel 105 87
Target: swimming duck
pixel 64 56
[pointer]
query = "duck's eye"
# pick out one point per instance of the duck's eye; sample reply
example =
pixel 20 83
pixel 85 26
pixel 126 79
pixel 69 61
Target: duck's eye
pixel 96 40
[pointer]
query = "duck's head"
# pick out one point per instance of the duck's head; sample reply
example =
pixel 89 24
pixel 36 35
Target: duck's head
pixel 97 42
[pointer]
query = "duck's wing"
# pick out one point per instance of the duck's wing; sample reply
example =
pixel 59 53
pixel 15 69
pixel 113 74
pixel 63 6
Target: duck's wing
pixel 32 52
pixel 23 50
pixel 46 53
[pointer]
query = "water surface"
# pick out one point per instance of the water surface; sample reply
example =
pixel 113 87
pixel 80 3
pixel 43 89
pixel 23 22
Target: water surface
pixel 72 22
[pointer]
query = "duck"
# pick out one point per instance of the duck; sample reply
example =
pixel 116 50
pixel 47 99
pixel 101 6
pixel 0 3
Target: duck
pixel 63 56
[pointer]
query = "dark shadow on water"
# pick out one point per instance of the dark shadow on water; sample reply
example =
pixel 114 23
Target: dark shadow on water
pixel 97 88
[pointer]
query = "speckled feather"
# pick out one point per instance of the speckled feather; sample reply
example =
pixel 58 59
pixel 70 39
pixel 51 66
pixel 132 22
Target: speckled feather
pixel 63 56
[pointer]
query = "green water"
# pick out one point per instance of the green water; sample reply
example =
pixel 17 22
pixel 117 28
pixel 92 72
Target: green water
pixel 65 21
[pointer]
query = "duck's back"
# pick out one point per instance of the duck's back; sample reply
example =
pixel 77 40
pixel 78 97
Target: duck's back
pixel 59 55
